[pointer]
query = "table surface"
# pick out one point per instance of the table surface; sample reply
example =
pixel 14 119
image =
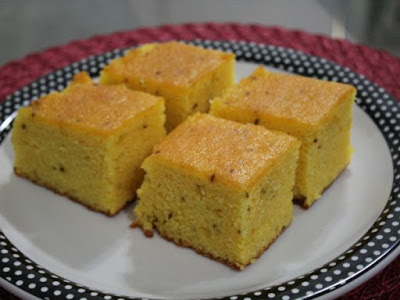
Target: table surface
pixel 378 66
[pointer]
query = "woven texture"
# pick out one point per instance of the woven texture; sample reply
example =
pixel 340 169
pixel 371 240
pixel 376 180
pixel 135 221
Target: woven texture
pixel 378 66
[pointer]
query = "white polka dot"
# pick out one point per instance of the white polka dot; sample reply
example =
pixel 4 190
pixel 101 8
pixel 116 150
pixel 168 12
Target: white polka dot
pixel 31 286
pixel 19 282
pixel 337 272
pixel 271 295
pixel 44 289
pixel 277 59
pixel 314 277
pixel 285 297
pixel 31 276
pixel 5 260
pixel 319 286
pixel 81 290
pixel 360 267
pixel 368 259
pixel 6 269
pixel 18 272
pixel 107 297
pixel 354 258
pixel 295 291
pixel 257 294
pixel 57 293
pixel 43 279
pixel 70 296
pixel 281 288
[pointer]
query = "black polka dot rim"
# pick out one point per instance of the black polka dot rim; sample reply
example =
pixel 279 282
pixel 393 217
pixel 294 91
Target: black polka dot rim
pixel 382 238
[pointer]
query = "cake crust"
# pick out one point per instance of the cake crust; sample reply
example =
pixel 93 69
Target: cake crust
pixel 90 106
pixel 174 63
pixel 290 98
pixel 255 150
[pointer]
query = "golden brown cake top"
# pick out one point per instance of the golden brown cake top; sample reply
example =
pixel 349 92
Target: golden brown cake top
pixel 171 63
pixel 223 150
pixel 87 104
pixel 291 97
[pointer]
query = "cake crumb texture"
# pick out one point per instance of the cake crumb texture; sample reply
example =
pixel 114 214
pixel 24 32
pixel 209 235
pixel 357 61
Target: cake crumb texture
pixel 229 197
pixel 186 76
pixel 88 141
pixel 317 112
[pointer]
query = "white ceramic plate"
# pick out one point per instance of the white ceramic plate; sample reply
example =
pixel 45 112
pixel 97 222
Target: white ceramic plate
pixel 55 248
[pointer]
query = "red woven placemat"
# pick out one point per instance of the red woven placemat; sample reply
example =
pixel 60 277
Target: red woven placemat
pixel 378 66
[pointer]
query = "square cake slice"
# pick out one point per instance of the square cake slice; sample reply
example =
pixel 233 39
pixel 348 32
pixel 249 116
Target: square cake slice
pixel 317 112
pixel 186 76
pixel 88 142
pixel 222 188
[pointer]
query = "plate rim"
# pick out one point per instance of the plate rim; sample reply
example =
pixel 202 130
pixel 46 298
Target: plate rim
pixel 273 56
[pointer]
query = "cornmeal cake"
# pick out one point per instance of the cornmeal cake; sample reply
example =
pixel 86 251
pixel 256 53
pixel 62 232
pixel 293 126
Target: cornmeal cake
pixel 186 76
pixel 88 141
pixel 317 112
pixel 219 187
